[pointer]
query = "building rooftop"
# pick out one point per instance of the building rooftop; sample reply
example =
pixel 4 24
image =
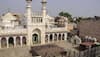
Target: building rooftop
pixel 89 28
pixel 47 50
pixel 87 44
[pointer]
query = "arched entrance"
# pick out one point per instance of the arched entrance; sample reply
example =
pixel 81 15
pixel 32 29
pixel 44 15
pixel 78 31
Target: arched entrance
pixel 55 37
pixel 35 38
pixel 63 37
pixel 24 40
pixel 11 41
pixel 59 38
pixel 3 42
pixel 51 38
pixel 18 41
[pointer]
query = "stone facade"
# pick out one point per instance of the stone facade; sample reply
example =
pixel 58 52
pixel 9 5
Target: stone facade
pixel 34 28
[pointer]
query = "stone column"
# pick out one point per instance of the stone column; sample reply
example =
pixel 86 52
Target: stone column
pixel 0 42
pixel 53 37
pixel 48 38
pixel 65 38
pixel 21 40
pixel 43 36
pixel 7 38
pixel 61 36
pixel 14 41
pixel 26 40
pixel 57 36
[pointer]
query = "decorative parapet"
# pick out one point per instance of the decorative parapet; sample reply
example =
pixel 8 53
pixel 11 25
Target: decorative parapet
pixel 13 31
pixel 36 14
pixel 56 29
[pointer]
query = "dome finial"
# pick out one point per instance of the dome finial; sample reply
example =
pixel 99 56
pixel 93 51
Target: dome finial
pixel 28 0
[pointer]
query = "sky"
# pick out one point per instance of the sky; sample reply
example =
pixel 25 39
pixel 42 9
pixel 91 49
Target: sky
pixel 74 7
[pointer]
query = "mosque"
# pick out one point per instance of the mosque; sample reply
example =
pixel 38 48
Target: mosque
pixel 29 29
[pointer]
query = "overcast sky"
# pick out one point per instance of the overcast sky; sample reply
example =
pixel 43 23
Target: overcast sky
pixel 75 7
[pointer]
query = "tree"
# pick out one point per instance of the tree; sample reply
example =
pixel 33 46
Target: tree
pixel 66 14
pixel 78 19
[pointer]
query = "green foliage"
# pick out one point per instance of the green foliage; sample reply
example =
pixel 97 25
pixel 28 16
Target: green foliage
pixel 78 20
pixel 66 14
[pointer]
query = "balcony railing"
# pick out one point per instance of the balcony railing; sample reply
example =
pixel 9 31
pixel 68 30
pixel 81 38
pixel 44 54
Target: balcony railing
pixel 13 31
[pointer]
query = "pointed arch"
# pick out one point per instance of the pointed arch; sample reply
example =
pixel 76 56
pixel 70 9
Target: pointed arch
pixel 18 40
pixel 3 42
pixel 51 37
pixel 11 41
pixel 55 37
pixel 59 37
pixel 36 36
pixel 24 40
pixel 63 36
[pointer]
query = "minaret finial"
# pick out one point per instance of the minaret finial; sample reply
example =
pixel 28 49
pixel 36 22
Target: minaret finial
pixel 29 0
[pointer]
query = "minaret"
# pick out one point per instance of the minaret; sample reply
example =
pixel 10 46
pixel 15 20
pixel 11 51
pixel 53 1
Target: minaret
pixel 29 18
pixel 44 12
pixel 29 12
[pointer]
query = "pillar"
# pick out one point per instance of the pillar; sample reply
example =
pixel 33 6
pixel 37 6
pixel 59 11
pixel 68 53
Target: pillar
pixel 53 37
pixel 65 38
pixel 7 38
pixel 43 36
pixel 57 36
pixel 14 41
pixel 61 36
pixel 48 38
pixel 21 37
